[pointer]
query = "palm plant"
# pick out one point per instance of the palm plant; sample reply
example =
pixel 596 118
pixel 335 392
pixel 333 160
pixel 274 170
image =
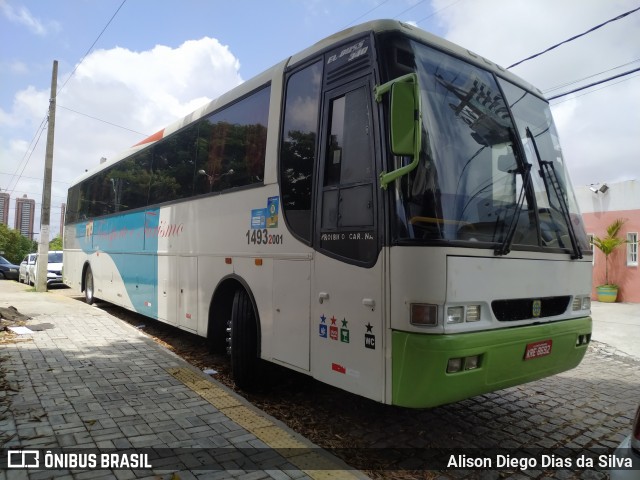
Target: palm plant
pixel 609 243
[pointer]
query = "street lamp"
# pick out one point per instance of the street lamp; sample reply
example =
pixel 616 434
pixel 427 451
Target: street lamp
pixel 214 177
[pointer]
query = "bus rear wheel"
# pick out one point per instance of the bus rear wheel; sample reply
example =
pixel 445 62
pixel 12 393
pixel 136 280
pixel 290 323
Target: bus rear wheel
pixel 244 342
pixel 88 286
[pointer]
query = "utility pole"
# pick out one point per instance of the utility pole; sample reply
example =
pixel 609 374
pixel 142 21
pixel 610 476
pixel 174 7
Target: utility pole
pixel 45 213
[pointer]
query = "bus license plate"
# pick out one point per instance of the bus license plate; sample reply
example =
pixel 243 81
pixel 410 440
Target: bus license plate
pixel 538 349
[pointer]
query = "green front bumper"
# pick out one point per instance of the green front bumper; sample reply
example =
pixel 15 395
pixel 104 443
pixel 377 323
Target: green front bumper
pixel 420 377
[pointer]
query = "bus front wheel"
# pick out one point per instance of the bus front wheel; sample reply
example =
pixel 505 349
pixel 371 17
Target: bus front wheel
pixel 244 342
pixel 88 286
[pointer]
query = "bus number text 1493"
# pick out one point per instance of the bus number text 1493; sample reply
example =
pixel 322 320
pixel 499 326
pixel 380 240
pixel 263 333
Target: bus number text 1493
pixel 263 237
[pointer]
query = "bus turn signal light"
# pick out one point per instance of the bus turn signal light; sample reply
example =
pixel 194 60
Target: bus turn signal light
pixel 424 315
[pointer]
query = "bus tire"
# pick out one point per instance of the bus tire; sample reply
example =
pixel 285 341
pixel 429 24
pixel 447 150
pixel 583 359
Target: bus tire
pixel 88 286
pixel 244 342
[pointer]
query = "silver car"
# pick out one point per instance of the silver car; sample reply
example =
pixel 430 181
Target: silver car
pixel 25 273
pixel 54 269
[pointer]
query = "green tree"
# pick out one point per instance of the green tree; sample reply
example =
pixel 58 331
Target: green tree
pixel 14 245
pixel 56 243
pixel 609 243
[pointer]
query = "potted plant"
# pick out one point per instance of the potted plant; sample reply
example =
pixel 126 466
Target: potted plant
pixel 609 291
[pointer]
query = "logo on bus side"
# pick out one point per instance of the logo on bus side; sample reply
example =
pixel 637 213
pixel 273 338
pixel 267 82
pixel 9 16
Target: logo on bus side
pixel 537 308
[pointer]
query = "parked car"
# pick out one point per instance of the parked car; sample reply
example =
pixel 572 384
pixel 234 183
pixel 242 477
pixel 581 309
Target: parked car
pixel 26 268
pixel 628 453
pixel 54 269
pixel 8 270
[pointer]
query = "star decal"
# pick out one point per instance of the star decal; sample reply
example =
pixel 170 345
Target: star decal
pixel 333 320
pixel 323 319
pixel 344 323
pixel 369 327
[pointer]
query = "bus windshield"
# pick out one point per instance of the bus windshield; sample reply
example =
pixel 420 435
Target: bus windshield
pixel 480 181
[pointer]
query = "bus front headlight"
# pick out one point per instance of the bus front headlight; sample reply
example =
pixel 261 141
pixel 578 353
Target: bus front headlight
pixel 459 314
pixel 455 314
pixel 581 302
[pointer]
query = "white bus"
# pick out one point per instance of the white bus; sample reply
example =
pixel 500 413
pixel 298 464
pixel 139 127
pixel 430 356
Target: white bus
pixel 385 211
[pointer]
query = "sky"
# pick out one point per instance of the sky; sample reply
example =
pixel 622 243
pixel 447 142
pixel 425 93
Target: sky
pixel 126 70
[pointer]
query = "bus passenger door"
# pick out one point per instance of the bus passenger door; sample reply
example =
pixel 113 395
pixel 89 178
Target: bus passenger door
pixel 347 292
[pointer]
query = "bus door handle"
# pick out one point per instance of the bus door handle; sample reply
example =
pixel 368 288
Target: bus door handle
pixel 322 296
pixel 369 303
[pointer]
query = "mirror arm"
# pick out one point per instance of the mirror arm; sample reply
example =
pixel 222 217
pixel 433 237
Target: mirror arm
pixel 380 90
pixel 387 177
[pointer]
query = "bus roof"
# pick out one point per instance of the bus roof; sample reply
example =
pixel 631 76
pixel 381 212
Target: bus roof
pixel 380 26
pixel 375 26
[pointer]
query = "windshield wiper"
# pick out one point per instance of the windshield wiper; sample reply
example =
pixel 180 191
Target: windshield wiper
pixel 547 169
pixel 505 246
pixel 524 168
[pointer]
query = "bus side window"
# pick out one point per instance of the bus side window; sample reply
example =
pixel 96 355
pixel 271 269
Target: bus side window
pixel 298 148
pixel 231 145
pixel 127 183
pixel 173 167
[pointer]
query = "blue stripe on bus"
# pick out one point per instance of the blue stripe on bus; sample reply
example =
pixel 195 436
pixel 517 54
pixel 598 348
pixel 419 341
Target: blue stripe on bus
pixel 131 241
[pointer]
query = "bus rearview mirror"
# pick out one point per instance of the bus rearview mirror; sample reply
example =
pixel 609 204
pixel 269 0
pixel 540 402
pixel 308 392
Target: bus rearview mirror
pixel 403 108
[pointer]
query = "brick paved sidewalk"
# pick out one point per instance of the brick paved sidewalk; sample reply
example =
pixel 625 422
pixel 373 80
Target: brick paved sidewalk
pixel 88 380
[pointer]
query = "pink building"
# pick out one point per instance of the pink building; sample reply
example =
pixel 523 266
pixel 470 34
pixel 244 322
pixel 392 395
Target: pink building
pixel 600 205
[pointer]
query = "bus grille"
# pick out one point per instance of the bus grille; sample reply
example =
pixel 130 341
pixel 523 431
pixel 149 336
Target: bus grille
pixel 523 308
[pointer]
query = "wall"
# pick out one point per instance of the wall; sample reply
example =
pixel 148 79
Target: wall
pixel 599 210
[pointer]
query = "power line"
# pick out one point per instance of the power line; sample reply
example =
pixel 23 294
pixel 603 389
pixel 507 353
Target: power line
pixel 557 87
pixel 103 121
pixel 595 83
pixel 437 11
pixel 367 13
pixel 38 134
pixel 410 8
pixel 92 45
pixel 27 152
pixel 35 178
pixel 596 90
pixel 575 37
